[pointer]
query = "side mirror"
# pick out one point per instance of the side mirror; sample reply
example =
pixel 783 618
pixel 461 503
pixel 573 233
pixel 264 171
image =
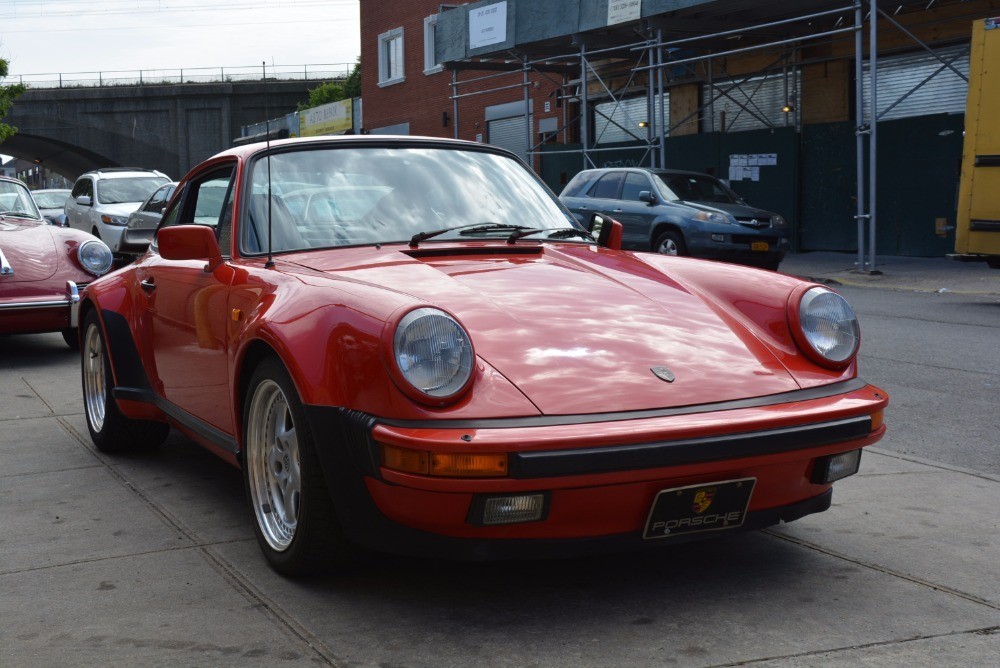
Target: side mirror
pixel 84 200
pixel 607 231
pixel 189 242
pixel 647 197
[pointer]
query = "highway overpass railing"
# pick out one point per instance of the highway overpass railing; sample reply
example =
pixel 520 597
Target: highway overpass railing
pixel 186 75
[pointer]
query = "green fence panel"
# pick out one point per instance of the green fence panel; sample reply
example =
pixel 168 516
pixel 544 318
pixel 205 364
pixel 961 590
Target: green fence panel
pixel 829 188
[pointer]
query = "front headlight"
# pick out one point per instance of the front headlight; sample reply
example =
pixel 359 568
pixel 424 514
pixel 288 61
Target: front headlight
pixel 114 220
pixel 828 327
pixel 713 217
pixel 777 220
pixel 95 257
pixel 433 353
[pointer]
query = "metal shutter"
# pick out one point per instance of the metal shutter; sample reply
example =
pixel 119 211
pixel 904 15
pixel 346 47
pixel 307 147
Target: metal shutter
pixel 764 96
pixel 508 133
pixel 943 93
pixel 627 114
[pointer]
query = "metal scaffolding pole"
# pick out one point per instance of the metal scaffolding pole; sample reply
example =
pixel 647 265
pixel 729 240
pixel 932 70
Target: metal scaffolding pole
pixel 662 121
pixel 873 144
pixel 859 130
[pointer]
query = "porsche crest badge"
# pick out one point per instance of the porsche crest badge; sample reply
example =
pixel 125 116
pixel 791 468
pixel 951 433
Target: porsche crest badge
pixel 663 373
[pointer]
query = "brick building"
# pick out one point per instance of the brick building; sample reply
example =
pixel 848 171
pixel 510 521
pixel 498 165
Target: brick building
pixel 405 91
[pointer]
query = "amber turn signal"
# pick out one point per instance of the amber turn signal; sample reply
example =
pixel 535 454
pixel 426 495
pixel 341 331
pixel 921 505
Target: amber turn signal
pixel 451 465
pixel 876 420
pixel 468 465
pixel 402 459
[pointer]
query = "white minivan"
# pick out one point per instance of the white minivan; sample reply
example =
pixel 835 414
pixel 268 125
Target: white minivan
pixel 102 199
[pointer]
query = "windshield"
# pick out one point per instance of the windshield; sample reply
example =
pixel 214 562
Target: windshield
pixel 697 188
pixel 55 199
pixel 358 195
pixel 117 191
pixel 16 200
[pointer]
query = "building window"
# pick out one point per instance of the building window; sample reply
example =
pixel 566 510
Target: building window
pixel 431 65
pixel 390 57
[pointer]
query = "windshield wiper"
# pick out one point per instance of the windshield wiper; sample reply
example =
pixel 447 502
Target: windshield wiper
pixel 557 233
pixel 21 214
pixel 471 228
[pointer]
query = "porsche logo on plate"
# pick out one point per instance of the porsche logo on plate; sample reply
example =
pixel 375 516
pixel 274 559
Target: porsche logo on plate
pixel 703 499
pixel 663 373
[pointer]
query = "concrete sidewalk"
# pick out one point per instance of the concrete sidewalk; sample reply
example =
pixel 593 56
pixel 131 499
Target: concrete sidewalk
pixel 919 274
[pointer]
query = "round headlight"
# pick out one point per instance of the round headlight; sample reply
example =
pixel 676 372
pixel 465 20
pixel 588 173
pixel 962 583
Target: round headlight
pixel 433 352
pixel 829 325
pixel 95 257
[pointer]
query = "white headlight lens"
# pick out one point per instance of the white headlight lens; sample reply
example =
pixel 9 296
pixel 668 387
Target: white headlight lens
pixel 711 217
pixel 829 324
pixel 433 352
pixel 778 221
pixel 95 257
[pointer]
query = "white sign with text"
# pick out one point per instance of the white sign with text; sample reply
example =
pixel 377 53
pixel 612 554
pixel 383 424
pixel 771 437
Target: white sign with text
pixel 620 11
pixel 488 25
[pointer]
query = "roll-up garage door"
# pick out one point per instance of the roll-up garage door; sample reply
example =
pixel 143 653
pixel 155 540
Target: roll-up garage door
pixel 943 91
pixel 509 133
pixel 618 121
pixel 754 104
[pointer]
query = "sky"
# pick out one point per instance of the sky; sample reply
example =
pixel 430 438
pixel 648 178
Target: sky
pixel 86 36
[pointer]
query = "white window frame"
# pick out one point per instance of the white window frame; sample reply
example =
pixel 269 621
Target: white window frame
pixel 431 66
pixel 385 77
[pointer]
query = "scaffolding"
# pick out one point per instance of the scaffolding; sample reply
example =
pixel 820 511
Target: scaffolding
pixel 649 58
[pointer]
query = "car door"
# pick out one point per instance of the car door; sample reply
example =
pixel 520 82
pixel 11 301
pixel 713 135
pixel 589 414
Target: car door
pixel 76 213
pixel 635 215
pixel 149 214
pixel 187 307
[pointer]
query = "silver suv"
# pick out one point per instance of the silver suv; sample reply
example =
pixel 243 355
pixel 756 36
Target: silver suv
pixel 102 199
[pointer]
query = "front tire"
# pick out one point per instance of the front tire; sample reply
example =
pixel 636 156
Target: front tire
pixel 71 335
pixel 294 518
pixel 670 242
pixel 109 429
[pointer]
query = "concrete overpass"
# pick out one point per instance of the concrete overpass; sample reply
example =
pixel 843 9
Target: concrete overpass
pixel 166 127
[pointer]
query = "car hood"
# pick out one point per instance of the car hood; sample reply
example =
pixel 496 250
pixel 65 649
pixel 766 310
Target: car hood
pixel 119 209
pixel 578 330
pixel 735 210
pixel 30 250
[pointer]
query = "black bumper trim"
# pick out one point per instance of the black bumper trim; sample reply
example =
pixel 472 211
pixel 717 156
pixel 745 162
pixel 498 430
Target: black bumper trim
pixel 605 459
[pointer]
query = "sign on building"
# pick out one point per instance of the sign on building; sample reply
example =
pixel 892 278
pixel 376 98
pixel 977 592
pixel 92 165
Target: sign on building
pixel 327 119
pixel 620 11
pixel 488 25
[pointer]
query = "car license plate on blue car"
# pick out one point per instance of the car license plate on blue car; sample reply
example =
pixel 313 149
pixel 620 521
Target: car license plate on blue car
pixel 712 506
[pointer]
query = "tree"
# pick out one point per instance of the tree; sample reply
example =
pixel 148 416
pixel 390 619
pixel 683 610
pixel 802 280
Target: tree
pixel 7 96
pixel 332 91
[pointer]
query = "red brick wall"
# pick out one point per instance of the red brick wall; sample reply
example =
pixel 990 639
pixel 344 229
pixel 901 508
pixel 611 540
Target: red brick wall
pixel 421 99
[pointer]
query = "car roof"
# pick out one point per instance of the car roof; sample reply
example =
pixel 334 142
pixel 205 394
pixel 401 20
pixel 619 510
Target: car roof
pixel 400 141
pixel 649 170
pixel 123 173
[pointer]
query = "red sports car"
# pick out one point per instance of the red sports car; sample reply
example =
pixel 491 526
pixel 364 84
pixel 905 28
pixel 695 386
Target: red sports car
pixel 42 268
pixel 409 344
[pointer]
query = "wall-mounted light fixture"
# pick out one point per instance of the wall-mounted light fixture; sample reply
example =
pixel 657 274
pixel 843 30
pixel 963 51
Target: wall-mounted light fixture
pixel 643 124
pixel 788 108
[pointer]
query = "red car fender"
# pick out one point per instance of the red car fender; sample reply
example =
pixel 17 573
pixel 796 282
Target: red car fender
pixel 755 302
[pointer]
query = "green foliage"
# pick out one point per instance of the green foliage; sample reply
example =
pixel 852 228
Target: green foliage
pixel 7 96
pixel 352 85
pixel 331 91
pixel 334 91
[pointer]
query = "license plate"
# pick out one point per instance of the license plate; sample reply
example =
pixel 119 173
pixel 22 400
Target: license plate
pixel 714 506
pixel 760 246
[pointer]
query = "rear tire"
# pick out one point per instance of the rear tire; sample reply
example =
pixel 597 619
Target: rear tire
pixel 294 518
pixel 109 429
pixel 670 242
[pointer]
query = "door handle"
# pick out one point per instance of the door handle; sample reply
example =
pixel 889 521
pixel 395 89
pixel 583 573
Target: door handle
pixel 148 285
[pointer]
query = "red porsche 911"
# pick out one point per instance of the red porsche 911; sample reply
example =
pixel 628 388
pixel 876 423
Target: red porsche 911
pixel 43 268
pixel 409 344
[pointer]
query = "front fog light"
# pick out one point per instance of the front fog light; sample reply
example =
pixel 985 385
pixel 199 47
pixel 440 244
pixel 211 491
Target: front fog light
pixel 718 237
pixel 833 468
pixel 512 509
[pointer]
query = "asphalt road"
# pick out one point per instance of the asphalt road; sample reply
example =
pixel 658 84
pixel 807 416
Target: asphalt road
pixel 149 558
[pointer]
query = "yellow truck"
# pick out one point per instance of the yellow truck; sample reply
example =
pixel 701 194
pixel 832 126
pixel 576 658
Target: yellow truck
pixel 977 234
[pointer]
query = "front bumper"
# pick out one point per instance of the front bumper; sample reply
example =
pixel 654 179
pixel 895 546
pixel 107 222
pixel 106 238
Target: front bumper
pixel 600 474
pixel 45 313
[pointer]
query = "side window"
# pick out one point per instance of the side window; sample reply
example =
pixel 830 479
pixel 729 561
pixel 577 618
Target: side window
pixel 77 189
pixel 208 200
pixel 607 186
pixel 634 184
pixel 158 200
